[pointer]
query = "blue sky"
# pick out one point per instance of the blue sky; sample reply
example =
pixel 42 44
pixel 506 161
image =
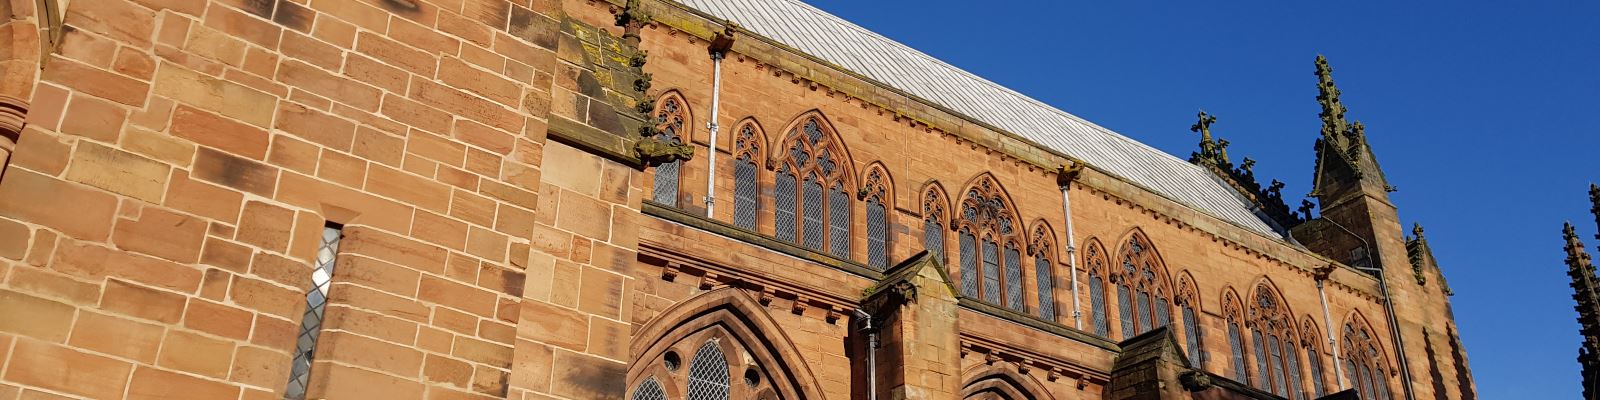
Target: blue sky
pixel 1483 114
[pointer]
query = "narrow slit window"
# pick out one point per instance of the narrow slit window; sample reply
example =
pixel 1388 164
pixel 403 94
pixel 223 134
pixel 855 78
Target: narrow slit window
pixel 1013 269
pixel 991 272
pixel 969 264
pixel 744 193
pixel 669 123
pixel 1292 363
pixel 1191 335
pixel 783 197
pixel 839 222
pixel 1125 310
pixel 316 305
pixel 1315 359
pixel 1235 343
pixel 877 234
pixel 1097 305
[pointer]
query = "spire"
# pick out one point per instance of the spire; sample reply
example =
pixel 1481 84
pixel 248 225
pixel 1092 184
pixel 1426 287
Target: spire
pixel 1211 153
pixel 1422 260
pixel 1587 296
pixel 1342 142
pixel 1594 197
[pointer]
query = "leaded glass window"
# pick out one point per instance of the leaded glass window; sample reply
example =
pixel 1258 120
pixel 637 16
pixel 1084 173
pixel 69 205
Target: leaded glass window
pixel 969 264
pixel 1276 361
pixel 1191 335
pixel 1292 363
pixel 985 214
pixel 839 222
pixel 1125 306
pixel 1260 349
pixel 708 374
pixel 877 234
pixel 933 223
pixel 670 117
pixel 991 272
pixel 1314 357
pixel 783 199
pixel 820 203
pixel 650 389
pixel 1365 362
pixel 1235 343
pixel 316 303
pixel 1094 261
pixel 747 149
pixel 1143 277
pixel 811 231
pixel 1013 270
pixel 1046 284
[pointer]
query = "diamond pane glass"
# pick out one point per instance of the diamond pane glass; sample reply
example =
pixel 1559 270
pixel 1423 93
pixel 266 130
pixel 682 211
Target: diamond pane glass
pixel 1235 343
pixel 311 321
pixel 1367 389
pixel 991 272
pixel 811 231
pixel 666 185
pixel 1381 384
pixel 1125 310
pixel 1046 284
pixel 1316 371
pixel 1260 349
pixel 708 374
pixel 1163 315
pixel 1144 311
pixel 1292 363
pixel 649 390
pixel 839 222
pixel 969 264
pixel 1097 305
pixel 1191 335
pixel 1014 297
pixel 933 236
pixel 783 197
pixel 744 194
pixel 877 234
pixel 1276 362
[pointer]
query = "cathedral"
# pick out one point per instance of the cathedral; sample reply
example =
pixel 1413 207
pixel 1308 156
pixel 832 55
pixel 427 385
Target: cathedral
pixel 654 200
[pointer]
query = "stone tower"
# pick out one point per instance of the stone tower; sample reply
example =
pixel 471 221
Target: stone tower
pixel 1360 226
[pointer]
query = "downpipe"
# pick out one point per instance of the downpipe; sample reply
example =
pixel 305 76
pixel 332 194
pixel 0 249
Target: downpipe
pixel 872 351
pixel 716 100
pixel 1072 254
pixel 1327 323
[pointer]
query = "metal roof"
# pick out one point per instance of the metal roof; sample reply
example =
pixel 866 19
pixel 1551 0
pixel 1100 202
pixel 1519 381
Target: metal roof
pixel 832 39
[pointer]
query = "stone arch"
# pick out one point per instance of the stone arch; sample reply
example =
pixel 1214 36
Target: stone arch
pixel 1096 264
pixel 779 151
pixel 878 202
pixel 1003 381
pixel 674 122
pixel 987 178
pixel 1366 362
pixel 814 183
pixel 27 33
pixel 933 206
pixel 728 310
pixel 1139 269
pixel 990 240
pixel 749 154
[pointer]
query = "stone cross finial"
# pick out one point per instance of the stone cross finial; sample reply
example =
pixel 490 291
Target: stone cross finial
pixel 1212 152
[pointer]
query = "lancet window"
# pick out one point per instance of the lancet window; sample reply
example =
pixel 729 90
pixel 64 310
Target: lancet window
pixel 1142 291
pixel 875 193
pixel 671 116
pixel 1043 275
pixel 988 230
pixel 747 147
pixel 1094 260
pixel 812 204
pixel 1273 336
pixel 1188 306
pixel 1233 315
pixel 933 217
pixel 1309 340
pixel 1363 361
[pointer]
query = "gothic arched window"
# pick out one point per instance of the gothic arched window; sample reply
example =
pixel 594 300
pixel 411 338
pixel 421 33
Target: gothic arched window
pixel 1094 260
pixel 708 373
pixel 988 230
pixel 875 192
pixel 933 205
pixel 650 389
pixel 1142 291
pixel 1188 303
pixel 1364 361
pixel 1309 339
pixel 1233 314
pixel 811 190
pixel 1273 335
pixel 1044 278
pixel 747 146
pixel 671 117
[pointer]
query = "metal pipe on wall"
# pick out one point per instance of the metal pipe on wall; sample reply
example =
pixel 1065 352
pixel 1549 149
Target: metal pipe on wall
pixel 1327 323
pixel 1072 253
pixel 716 99
pixel 1388 308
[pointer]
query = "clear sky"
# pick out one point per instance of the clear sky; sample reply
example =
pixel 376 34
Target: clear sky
pixel 1485 114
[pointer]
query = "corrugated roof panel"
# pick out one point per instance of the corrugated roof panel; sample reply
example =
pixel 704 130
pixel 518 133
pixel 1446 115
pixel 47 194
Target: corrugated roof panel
pixel 857 49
